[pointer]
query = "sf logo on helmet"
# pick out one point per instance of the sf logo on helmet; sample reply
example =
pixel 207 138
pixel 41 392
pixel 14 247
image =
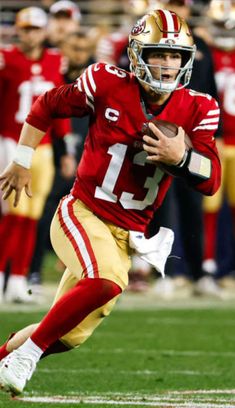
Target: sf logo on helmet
pixel 138 27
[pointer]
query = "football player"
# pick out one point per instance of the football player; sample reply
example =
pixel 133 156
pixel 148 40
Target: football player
pixel 119 183
pixel 27 70
pixel 222 31
pixel 64 18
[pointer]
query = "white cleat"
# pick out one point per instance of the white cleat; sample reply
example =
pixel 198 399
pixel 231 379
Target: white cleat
pixel 208 286
pixel 17 368
pixel 17 290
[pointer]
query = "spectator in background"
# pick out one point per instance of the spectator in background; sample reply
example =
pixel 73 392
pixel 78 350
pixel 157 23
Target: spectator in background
pixel 26 71
pixel 76 47
pixel 111 48
pixel 64 18
pixel 222 40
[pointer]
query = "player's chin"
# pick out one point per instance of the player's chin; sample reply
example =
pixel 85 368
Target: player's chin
pixel 168 79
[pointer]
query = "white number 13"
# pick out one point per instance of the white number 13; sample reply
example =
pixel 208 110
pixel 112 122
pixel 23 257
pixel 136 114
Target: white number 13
pixel 105 192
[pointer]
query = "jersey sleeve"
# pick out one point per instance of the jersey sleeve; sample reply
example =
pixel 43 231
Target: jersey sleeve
pixel 63 102
pixel 98 81
pixel 203 139
pixel 60 128
pixel 78 99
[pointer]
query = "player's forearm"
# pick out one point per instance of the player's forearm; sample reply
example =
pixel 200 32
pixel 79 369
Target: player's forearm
pixel 30 136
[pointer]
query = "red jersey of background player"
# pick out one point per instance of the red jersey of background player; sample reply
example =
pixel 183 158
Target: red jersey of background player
pixel 224 62
pixel 22 80
pixel 113 177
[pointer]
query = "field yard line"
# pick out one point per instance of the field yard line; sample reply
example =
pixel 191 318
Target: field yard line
pixel 87 400
pixel 192 321
pixel 127 372
pixel 232 392
pixel 163 396
pixel 190 353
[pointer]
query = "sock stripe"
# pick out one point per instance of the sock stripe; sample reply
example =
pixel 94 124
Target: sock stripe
pixel 78 237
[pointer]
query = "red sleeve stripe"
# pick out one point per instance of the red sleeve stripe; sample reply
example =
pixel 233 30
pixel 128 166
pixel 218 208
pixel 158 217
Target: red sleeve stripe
pixel 78 237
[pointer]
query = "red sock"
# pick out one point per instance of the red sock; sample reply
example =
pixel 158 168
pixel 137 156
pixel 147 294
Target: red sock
pixel 22 256
pixel 3 348
pixel 3 351
pixel 9 238
pixel 210 235
pixel 87 296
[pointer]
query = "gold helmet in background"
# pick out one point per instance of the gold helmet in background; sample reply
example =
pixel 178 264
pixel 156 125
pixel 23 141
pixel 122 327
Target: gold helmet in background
pixel 222 28
pixel 164 30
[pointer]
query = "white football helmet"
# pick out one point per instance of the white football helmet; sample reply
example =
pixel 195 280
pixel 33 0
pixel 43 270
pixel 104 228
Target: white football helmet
pixel 222 28
pixel 164 30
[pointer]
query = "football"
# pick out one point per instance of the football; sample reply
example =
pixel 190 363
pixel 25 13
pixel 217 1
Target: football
pixel 169 129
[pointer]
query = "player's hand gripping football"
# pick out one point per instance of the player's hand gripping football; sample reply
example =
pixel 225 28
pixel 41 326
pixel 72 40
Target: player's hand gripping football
pixel 164 149
pixel 15 177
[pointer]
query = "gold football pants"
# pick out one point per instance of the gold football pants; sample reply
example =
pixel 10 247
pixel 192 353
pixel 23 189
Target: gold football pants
pixel 89 247
pixel 227 188
pixel 42 172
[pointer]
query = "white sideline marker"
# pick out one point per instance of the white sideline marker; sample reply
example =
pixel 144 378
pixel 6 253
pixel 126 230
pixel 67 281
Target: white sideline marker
pixel 171 399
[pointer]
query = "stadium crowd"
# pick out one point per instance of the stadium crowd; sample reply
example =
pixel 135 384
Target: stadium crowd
pixel 52 44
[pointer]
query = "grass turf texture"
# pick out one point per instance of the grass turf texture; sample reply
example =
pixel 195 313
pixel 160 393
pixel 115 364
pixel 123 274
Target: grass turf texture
pixel 139 355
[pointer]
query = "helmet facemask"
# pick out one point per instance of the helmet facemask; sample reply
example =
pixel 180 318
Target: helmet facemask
pixel 142 69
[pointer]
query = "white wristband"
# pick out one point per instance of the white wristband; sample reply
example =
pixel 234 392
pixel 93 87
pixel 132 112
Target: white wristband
pixel 24 156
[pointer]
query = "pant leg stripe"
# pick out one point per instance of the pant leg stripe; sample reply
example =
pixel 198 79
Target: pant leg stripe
pixel 86 240
pixel 78 238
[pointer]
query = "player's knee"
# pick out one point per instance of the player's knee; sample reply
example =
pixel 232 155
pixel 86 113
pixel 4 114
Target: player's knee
pixel 104 288
pixel 110 288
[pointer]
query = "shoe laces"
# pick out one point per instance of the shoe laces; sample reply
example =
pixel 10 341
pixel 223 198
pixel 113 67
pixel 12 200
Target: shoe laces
pixel 22 364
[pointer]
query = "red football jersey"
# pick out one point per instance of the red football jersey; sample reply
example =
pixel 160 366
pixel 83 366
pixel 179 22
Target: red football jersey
pixel 113 177
pixel 224 63
pixel 22 80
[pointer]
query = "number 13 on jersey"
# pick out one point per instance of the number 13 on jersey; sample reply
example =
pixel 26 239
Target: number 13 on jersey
pixel 106 191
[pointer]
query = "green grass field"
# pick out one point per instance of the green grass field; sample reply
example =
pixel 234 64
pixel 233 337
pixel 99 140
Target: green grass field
pixel 154 356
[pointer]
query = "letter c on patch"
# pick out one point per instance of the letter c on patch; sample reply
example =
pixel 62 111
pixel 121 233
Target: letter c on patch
pixel 112 114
